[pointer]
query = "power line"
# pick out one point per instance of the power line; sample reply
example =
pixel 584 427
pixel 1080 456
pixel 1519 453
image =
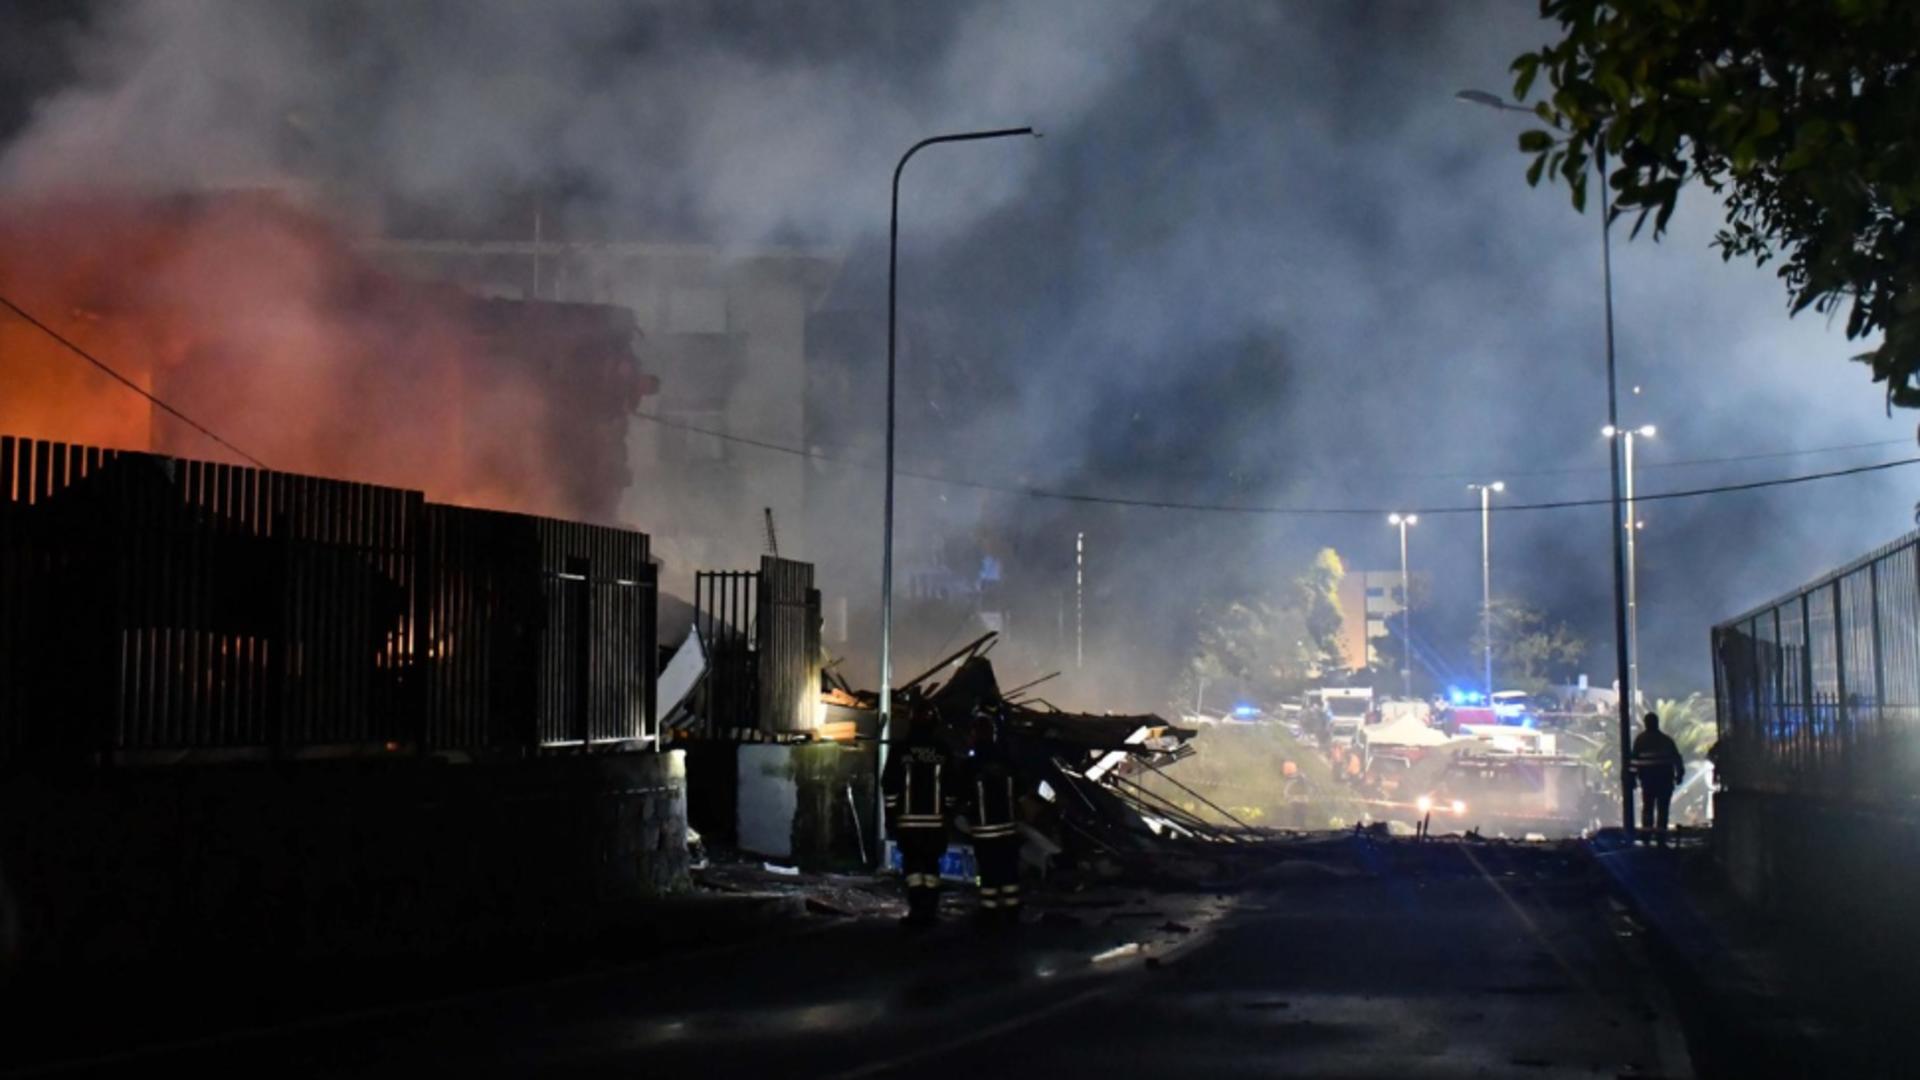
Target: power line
pixel 1110 500
pixel 1683 463
pixel 1303 511
pixel 124 381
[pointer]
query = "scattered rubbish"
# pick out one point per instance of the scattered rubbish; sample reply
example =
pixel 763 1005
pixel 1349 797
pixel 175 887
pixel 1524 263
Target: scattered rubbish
pixel 1172 927
pixel 1092 805
pixel 784 871
pixel 817 906
pixel 1131 948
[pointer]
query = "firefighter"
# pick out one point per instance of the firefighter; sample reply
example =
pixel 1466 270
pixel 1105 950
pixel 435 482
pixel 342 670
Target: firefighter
pixel 1657 770
pixel 919 785
pixel 991 802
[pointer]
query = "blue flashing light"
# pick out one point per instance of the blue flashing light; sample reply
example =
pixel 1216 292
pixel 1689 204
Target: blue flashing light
pixel 1245 710
pixel 1456 695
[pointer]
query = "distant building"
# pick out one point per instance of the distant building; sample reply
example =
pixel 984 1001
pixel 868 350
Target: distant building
pixel 1368 599
pixel 725 332
pixel 755 343
pixel 264 322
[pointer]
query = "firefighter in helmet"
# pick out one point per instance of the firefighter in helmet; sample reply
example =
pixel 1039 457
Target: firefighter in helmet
pixel 921 791
pixel 991 802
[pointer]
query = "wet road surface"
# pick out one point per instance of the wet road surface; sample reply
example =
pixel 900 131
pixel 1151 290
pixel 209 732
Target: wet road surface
pixel 1355 958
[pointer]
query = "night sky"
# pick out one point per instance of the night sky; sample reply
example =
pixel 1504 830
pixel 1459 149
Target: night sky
pixel 1262 257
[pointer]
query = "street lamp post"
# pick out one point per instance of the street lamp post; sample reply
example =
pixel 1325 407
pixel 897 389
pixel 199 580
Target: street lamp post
pixel 1631 525
pixel 1622 675
pixel 1406 605
pixel 1486 576
pixel 886 548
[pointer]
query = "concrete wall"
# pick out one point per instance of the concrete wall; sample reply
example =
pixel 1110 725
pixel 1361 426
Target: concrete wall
pixel 331 860
pixel 1847 874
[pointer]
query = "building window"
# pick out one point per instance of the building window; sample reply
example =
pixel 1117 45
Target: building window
pixel 1375 591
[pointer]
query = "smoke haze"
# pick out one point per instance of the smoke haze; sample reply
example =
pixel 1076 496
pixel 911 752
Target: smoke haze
pixel 1261 257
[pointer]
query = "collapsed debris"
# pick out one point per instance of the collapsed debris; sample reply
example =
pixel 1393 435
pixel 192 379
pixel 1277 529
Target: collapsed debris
pixel 1083 773
pixel 1093 787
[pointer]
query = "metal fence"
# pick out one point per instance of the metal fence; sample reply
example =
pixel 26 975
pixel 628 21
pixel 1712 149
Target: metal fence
pixel 1819 691
pixel 761 630
pixel 152 605
pixel 725 611
pixel 534 631
pixel 789 646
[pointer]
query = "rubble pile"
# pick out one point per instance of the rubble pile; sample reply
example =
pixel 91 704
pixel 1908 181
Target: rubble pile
pixel 1081 774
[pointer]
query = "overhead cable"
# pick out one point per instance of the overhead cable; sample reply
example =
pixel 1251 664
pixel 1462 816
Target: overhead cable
pixel 124 381
pixel 1238 508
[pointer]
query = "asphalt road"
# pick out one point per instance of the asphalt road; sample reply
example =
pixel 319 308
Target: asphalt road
pixel 1351 958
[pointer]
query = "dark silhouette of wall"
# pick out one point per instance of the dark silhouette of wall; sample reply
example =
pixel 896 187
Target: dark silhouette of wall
pixel 110 871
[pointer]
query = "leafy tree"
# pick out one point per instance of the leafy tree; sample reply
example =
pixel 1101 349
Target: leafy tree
pixel 1690 722
pixel 1318 594
pixel 1254 644
pixel 1800 114
pixel 1528 650
pixel 1268 644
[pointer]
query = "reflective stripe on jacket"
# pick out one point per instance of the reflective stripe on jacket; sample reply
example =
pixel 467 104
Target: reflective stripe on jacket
pixel 919 788
pixel 992 808
pixel 1656 760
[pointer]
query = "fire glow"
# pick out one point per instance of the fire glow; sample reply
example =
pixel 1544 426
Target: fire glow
pixel 261 321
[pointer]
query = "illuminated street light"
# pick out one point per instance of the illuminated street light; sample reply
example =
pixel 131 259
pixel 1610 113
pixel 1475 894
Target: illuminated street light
pixel 1403 521
pixel 1486 576
pixel 1631 525
pixel 1494 101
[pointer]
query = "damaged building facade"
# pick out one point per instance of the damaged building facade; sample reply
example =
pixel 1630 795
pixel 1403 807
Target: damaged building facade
pixel 762 345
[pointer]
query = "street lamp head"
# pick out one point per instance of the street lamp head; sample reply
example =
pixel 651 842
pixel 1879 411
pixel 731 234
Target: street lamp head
pixel 1498 485
pixel 1609 431
pixel 1412 519
pixel 1393 519
pixel 1645 431
pixel 1481 97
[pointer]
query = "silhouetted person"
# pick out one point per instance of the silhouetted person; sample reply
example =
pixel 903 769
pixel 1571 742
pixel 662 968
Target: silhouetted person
pixel 920 787
pixel 1657 770
pixel 991 804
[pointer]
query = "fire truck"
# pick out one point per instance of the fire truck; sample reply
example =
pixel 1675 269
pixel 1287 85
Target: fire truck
pixel 1515 794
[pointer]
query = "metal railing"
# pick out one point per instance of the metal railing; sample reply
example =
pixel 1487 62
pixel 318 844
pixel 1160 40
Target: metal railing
pixel 1819 691
pixel 152 605
pixel 761 630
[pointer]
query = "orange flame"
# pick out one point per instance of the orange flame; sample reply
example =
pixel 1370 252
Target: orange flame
pixel 261 321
